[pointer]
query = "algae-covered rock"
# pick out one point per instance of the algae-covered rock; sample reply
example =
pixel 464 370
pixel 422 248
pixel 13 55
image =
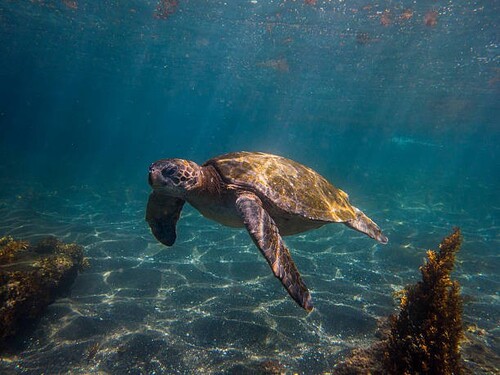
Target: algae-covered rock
pixel 32 276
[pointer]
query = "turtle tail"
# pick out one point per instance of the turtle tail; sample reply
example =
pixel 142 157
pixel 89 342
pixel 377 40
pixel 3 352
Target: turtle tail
pixel 364 224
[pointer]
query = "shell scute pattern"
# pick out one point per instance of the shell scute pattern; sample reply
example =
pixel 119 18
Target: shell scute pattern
pixel 289 185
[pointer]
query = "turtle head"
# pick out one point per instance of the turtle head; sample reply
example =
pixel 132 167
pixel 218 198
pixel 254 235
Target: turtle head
pixel 176 177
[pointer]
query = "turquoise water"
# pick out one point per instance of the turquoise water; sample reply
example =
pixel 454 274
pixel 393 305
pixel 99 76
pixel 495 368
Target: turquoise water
pixel 397 111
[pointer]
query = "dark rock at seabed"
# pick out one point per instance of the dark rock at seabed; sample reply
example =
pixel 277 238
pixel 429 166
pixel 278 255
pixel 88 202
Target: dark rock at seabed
pixel 58 311
pixel 221 359
pixel 83 327
pixel 90 284
pixel 144 353
pixel 134 293
pixel 171 279
pixel 480 351
pixel 59 359
pixel 264 367
pixel 126 312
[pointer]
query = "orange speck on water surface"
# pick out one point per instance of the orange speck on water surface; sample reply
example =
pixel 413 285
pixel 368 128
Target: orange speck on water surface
pixel 407 14
pixel 385 18
pixel 165 8
pixel 71 4
pixel 430 18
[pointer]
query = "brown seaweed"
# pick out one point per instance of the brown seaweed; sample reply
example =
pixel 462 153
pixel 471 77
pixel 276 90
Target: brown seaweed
pixel 425 337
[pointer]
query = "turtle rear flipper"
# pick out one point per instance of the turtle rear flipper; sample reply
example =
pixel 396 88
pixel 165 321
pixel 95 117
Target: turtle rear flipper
pixel 162 214
pixel 364 224
pixel 265 235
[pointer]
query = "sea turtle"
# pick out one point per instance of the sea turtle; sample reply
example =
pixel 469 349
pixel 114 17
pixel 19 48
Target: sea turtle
pixel 268 194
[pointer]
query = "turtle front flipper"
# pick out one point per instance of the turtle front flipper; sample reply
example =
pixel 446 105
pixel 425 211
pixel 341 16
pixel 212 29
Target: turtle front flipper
pixel 265 235
pixel 162 214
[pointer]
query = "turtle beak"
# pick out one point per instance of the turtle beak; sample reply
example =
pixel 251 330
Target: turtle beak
pixel 150 177
pixel 153 176
pixel 163 176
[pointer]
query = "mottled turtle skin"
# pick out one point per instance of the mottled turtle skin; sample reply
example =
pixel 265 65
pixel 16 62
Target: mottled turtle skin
pixel 270 195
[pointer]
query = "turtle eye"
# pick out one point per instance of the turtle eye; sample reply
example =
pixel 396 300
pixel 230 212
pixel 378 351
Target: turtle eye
pixel 169 172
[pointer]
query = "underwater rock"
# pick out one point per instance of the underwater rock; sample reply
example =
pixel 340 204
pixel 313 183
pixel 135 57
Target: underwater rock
pixel 425 337
pixel 480 351
pixel 362 361
pixel 32 276
pixel 143 353
pixel 259 367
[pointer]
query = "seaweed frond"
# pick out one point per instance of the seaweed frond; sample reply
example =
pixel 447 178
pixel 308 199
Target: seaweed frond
pixel 425 337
